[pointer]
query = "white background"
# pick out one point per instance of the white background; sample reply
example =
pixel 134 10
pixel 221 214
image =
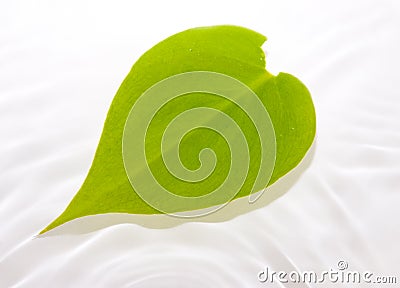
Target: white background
pixel 61 63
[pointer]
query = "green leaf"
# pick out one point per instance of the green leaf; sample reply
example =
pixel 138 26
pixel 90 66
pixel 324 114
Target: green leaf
pixel 226 50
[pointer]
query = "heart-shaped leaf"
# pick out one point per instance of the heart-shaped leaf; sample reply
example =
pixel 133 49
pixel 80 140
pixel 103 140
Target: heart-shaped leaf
pixel 195 110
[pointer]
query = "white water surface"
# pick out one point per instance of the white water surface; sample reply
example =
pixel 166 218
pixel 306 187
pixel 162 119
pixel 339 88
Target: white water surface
pixel 61 63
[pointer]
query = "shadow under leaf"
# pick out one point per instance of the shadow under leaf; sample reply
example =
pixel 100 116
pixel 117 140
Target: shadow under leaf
pixel 235 208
